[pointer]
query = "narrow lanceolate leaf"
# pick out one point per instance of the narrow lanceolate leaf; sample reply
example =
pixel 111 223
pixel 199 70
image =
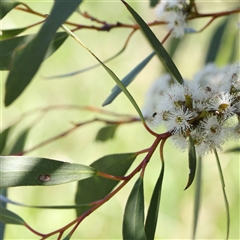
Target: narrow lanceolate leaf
pixel 110 72
pixel 29 59
pixel 133 221
pixel 20 142
pixel 96 188
pixel 11 47
pixel 9 217
pixel 11 33
pixel 3 139
pixel 192 161
pixel 6 6
pixel 5 200
pixel 128 79
pixel 152 215
pixel 157 46
pixel 197 197
pixel 24 171
pixel 216 41
pixel 235 149
pixel 106 133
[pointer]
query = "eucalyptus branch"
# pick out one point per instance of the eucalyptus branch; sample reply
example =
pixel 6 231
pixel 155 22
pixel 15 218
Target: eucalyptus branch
pixel 109 26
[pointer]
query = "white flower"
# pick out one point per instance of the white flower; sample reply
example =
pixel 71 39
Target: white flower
pixel 207 108
pixel 176 22
pixel 214 131
pixel 168 5
pixel 177 120
pixel 222 104
pixel 156 90
pixel 172 12
pixel 179 141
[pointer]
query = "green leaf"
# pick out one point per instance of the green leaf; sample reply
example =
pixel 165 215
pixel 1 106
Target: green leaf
pixel 4 200
pixel 107 132
pixel 110 72
pixel 215 42
pixel 11 33
pixel 197 197
pixel 153 3
pixel 10 47
pixel 27 62
pixel 6 6
pixel 25 171
pixel 235 149
pixel 128 79
pixel 96 188
pixel 20 142
pixel 157 46
pixel 3 139
pixel 152 215
pixel 133 221
pixel 224 194
pixel 9 217
pixel 192 162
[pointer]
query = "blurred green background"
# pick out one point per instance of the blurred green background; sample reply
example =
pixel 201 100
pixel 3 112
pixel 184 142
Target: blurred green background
pixel 91 88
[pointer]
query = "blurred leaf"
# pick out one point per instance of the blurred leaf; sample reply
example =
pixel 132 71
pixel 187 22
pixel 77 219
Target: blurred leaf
pixel 110 72
pixel 3 192
pixel 96 188
pixel 174 43
pixel 128 79
pixel 235 149
pixel 3 139
pixel 153 210
pixel 157 46
pixel 10 47
pixel 67 237
pixel 9 217
pixel 133 221
pixel 224 194
pixel 153 3
pixel 215 42
pixel 24 171
pixel 234 55
pixel 20 142
pixel 4 200
pixel 107 132
pixel 11 33
pixel 58 39
pixel 6 6
pixel 197 197
pixel 191 161
pixel 27 62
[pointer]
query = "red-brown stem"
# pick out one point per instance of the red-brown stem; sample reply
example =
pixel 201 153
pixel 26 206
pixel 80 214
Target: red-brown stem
pixel 32 230
pixel 149 130
pixel 109 176
pixel 99 203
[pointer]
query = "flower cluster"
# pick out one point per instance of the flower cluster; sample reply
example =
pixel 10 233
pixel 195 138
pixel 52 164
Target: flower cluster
pixel 174 14
pixel 207 108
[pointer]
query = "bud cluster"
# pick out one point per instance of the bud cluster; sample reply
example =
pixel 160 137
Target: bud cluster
pixel 207 108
